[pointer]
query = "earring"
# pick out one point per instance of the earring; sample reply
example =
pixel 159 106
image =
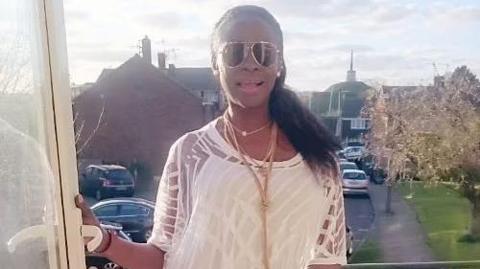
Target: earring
pixel 279 74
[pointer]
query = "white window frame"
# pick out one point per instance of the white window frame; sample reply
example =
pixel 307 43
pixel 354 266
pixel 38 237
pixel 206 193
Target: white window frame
pixel 358 123
pixel 61 145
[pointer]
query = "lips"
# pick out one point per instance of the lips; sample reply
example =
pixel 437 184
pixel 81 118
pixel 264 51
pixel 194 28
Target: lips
pixel 250 87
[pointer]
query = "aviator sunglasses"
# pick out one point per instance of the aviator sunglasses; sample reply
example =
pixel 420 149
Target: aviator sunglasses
pixel 235 53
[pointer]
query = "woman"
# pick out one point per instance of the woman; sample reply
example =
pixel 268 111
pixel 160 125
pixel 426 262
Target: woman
pixel 255 188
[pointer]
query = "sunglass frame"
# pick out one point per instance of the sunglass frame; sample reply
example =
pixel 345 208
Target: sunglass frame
pixel 249 47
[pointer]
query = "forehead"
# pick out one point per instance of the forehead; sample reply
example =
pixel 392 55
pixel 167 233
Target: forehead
pixel 248 29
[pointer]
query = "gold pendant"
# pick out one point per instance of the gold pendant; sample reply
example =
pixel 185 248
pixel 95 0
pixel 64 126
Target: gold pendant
pixel 264 205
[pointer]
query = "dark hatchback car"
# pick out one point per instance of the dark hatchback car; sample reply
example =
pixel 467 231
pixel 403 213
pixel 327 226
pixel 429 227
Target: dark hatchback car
pixel 134 214
pixel 107 181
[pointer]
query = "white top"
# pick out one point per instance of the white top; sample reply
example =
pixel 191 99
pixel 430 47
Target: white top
pixel 208 214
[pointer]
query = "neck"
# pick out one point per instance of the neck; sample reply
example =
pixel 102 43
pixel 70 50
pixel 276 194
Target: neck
pixel 248 118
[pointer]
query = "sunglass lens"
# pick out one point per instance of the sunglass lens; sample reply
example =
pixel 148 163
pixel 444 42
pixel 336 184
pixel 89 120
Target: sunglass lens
pixel 264 53
pixel 233 54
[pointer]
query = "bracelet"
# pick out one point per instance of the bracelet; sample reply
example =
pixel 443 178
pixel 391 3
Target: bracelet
pixel 109 243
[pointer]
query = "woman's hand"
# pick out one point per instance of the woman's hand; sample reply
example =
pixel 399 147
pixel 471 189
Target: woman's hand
pixel 88 218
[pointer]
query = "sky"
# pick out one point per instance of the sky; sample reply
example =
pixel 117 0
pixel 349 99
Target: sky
pixel 402 42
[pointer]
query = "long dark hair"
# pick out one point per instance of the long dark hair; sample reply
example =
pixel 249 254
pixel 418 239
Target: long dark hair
pixel 309 137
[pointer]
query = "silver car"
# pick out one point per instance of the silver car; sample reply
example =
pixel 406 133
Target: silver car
pixel 355 182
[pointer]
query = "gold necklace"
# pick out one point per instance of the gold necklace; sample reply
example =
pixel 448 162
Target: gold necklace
pixel 260 165
pixel 245 133
pixel 262 189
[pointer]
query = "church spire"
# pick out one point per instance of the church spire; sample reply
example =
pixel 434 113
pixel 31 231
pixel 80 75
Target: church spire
pixel 351 60
pixel 351 74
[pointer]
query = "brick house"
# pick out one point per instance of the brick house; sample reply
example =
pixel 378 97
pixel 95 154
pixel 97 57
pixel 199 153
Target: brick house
pixel 200 82
pixel 144 112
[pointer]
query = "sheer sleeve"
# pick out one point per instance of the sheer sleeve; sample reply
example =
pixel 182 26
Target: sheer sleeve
pixel 166 216
pixel 331 243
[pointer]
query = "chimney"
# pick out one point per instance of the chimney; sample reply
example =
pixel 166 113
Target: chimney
pixel 161 60
pixel 147 50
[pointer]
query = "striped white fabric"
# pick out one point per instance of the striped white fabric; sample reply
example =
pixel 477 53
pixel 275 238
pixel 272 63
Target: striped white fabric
pixel 208 216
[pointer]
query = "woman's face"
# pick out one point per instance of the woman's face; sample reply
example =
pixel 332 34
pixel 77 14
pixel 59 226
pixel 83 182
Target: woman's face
pixel 249 84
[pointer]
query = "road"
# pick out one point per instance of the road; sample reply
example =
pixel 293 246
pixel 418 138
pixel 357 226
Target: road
pixel 360 216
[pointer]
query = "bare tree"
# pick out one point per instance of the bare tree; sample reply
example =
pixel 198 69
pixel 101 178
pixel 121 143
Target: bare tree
pixel 432 133
pixel 14 63
pixel 81 143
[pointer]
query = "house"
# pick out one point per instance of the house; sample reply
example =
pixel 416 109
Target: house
pixel 339 107
pixel 200 81
pixel 132 114
pixel 77 89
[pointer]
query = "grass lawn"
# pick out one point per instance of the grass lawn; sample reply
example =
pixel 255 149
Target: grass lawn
pixel 445 217
pixel 369 252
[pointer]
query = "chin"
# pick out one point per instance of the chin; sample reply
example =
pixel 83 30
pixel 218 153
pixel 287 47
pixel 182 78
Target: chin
pixel 251 104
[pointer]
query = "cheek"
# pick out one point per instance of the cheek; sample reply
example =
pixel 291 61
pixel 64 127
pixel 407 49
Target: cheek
pixel 272 77
pixel 225 77
pixel 225 80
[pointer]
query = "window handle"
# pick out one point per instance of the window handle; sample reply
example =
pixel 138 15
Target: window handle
pixel 26 235
pixel 96 233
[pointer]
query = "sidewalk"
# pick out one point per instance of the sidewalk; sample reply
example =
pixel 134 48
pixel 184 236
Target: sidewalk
pixel 400 235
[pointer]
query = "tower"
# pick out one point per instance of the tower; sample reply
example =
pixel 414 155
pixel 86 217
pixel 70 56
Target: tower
pixel 351 74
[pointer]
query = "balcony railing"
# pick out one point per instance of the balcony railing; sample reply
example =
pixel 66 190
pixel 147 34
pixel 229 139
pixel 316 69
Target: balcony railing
pixel 417 265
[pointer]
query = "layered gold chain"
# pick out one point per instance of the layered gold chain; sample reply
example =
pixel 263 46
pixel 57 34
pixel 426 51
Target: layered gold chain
pixel 264 172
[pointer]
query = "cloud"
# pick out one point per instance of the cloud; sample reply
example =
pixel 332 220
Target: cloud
pixel 392 13
pixel 394 40
pixel 170 20
pixel 454 15
pixel 102 56
pixel 343 48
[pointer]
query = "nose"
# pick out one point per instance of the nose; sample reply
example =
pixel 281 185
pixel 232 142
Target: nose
pixel 249 64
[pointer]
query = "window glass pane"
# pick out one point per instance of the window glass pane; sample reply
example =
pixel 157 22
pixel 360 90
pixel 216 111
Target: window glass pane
pixel 106 211
pixel 132 210
pixel 28 238
pixel 119 174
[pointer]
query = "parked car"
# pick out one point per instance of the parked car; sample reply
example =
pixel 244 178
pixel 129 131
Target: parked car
pixel 107 181
pixel 355 182
pixel 97 261
pixel 348 165
pixel 353 152
pixel 376 174
pixel 134 214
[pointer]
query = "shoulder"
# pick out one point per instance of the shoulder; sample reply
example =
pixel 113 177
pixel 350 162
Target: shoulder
pixel 191 140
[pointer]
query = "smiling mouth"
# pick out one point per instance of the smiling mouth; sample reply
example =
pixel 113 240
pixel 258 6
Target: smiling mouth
pixel 250 87
pixel 250 84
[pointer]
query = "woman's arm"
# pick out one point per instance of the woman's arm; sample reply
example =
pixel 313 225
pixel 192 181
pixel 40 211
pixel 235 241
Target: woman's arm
pixel 331 243
pixel 134 255
pixel 127 254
